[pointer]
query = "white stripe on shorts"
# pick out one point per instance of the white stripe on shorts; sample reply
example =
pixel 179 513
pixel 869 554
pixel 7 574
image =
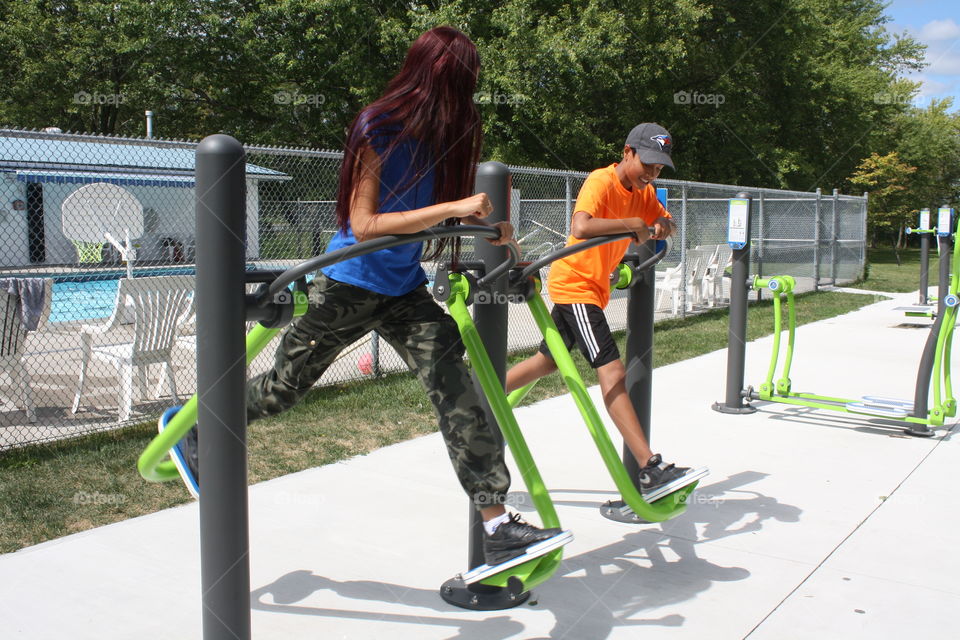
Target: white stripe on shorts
pixel 586 330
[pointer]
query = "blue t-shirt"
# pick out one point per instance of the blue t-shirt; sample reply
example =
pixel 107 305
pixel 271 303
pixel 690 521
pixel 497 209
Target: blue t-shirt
pixel 395 271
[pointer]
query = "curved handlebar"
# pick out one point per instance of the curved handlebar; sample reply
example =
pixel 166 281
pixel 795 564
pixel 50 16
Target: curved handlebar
pixel 384 242
pixel 657 256
pixel 534 267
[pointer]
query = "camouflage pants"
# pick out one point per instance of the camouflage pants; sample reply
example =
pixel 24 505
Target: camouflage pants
pixel 428 341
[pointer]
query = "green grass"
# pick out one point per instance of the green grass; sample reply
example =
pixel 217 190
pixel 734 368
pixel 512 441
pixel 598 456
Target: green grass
pixel 899 271
pixel 53 490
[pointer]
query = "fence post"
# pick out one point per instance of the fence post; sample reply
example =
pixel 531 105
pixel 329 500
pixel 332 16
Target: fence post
pixel 221 383
pixel 816 242
pixel 863 246
pixel 683 251
pixel 835 244
pixel 568 204
pixel 760 236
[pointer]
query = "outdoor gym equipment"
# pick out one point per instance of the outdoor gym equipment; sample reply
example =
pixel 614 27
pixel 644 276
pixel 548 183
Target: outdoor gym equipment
pixel 934 363
pixel 222 307
pixel 924 231
pixel 526 284
pixel 943 229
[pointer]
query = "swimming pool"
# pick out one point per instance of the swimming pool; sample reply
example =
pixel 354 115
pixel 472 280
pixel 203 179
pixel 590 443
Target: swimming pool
pixel 81 297
pixel 78 297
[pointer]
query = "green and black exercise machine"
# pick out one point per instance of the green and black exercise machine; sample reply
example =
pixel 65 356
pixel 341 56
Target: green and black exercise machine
pixel 923 308
pixel 224 537
pixel 526 285
pixel 933 371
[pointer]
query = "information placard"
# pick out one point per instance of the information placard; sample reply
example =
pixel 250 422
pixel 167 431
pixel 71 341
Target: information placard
pixel 738 224
pixel 924 219
pixel 944 221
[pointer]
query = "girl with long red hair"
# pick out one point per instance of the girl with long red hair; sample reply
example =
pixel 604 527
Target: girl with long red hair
pixel 409 164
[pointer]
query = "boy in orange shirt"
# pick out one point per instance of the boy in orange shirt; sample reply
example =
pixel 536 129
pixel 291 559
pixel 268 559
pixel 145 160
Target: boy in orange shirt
pixel 613 199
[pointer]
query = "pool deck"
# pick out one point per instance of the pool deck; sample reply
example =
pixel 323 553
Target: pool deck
pixel 812 524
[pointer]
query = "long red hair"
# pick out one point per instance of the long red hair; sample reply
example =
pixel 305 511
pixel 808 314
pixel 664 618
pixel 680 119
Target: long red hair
pixel 429 100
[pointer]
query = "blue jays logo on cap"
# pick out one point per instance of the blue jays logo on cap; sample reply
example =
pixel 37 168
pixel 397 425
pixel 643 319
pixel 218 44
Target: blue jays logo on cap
pixel 662 140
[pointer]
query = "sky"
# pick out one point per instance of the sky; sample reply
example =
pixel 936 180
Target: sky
pixel 935 23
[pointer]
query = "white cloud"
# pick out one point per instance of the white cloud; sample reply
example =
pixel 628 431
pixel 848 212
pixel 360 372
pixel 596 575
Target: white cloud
pixel 937 30
pixel 944 59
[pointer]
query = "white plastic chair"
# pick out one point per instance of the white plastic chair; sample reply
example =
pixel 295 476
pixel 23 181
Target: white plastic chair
pixel 698 259
pixel 669 283
pixel 13 338
pixel 158 304
pixel 713 289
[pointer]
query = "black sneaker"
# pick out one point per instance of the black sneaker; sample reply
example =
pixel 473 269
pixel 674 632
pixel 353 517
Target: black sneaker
pixel 512 538
pixel 185 454
pixel 658 479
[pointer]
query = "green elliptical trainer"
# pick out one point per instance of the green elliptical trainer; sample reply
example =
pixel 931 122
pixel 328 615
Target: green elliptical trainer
pixel 521 574
pixel 633 508
pixel 933 371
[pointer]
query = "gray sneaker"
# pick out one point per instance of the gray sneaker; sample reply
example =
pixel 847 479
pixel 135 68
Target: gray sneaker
pixel 659 479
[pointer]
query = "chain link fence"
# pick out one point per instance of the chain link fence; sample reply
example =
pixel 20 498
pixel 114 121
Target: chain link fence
pixel 81 217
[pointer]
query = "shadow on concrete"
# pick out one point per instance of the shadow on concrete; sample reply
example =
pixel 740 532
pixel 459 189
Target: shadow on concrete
pixel 592 593
pixel 837 420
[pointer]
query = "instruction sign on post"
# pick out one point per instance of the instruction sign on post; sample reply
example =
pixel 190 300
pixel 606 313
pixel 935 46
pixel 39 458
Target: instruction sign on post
pixel 738 224
pixel 944 221
pixel 924 219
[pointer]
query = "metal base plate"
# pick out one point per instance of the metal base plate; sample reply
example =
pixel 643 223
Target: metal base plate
pixel 618 511
pixel 723 408
pixel 482 597
pixel 920 431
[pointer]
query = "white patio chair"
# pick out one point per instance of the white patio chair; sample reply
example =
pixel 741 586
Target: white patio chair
pixel 13 338
pixel 713 289
pixel 669 283
pixel 698 259
pixel 159 302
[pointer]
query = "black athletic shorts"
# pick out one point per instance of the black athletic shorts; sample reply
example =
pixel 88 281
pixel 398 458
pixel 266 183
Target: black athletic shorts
pixel 586 326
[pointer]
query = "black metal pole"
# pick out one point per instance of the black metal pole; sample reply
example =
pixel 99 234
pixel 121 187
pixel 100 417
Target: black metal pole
pixel 638 358
pixel 921 394
pixel 737 332
pixel 221 379
pixel 924 265
pixel 490 314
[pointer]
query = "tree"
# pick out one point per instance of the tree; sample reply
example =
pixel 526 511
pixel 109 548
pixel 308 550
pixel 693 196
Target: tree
pixel 887 178
pixel 929 139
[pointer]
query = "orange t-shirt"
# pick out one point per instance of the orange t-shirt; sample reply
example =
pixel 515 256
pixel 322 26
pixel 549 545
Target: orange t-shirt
pixel 584 277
